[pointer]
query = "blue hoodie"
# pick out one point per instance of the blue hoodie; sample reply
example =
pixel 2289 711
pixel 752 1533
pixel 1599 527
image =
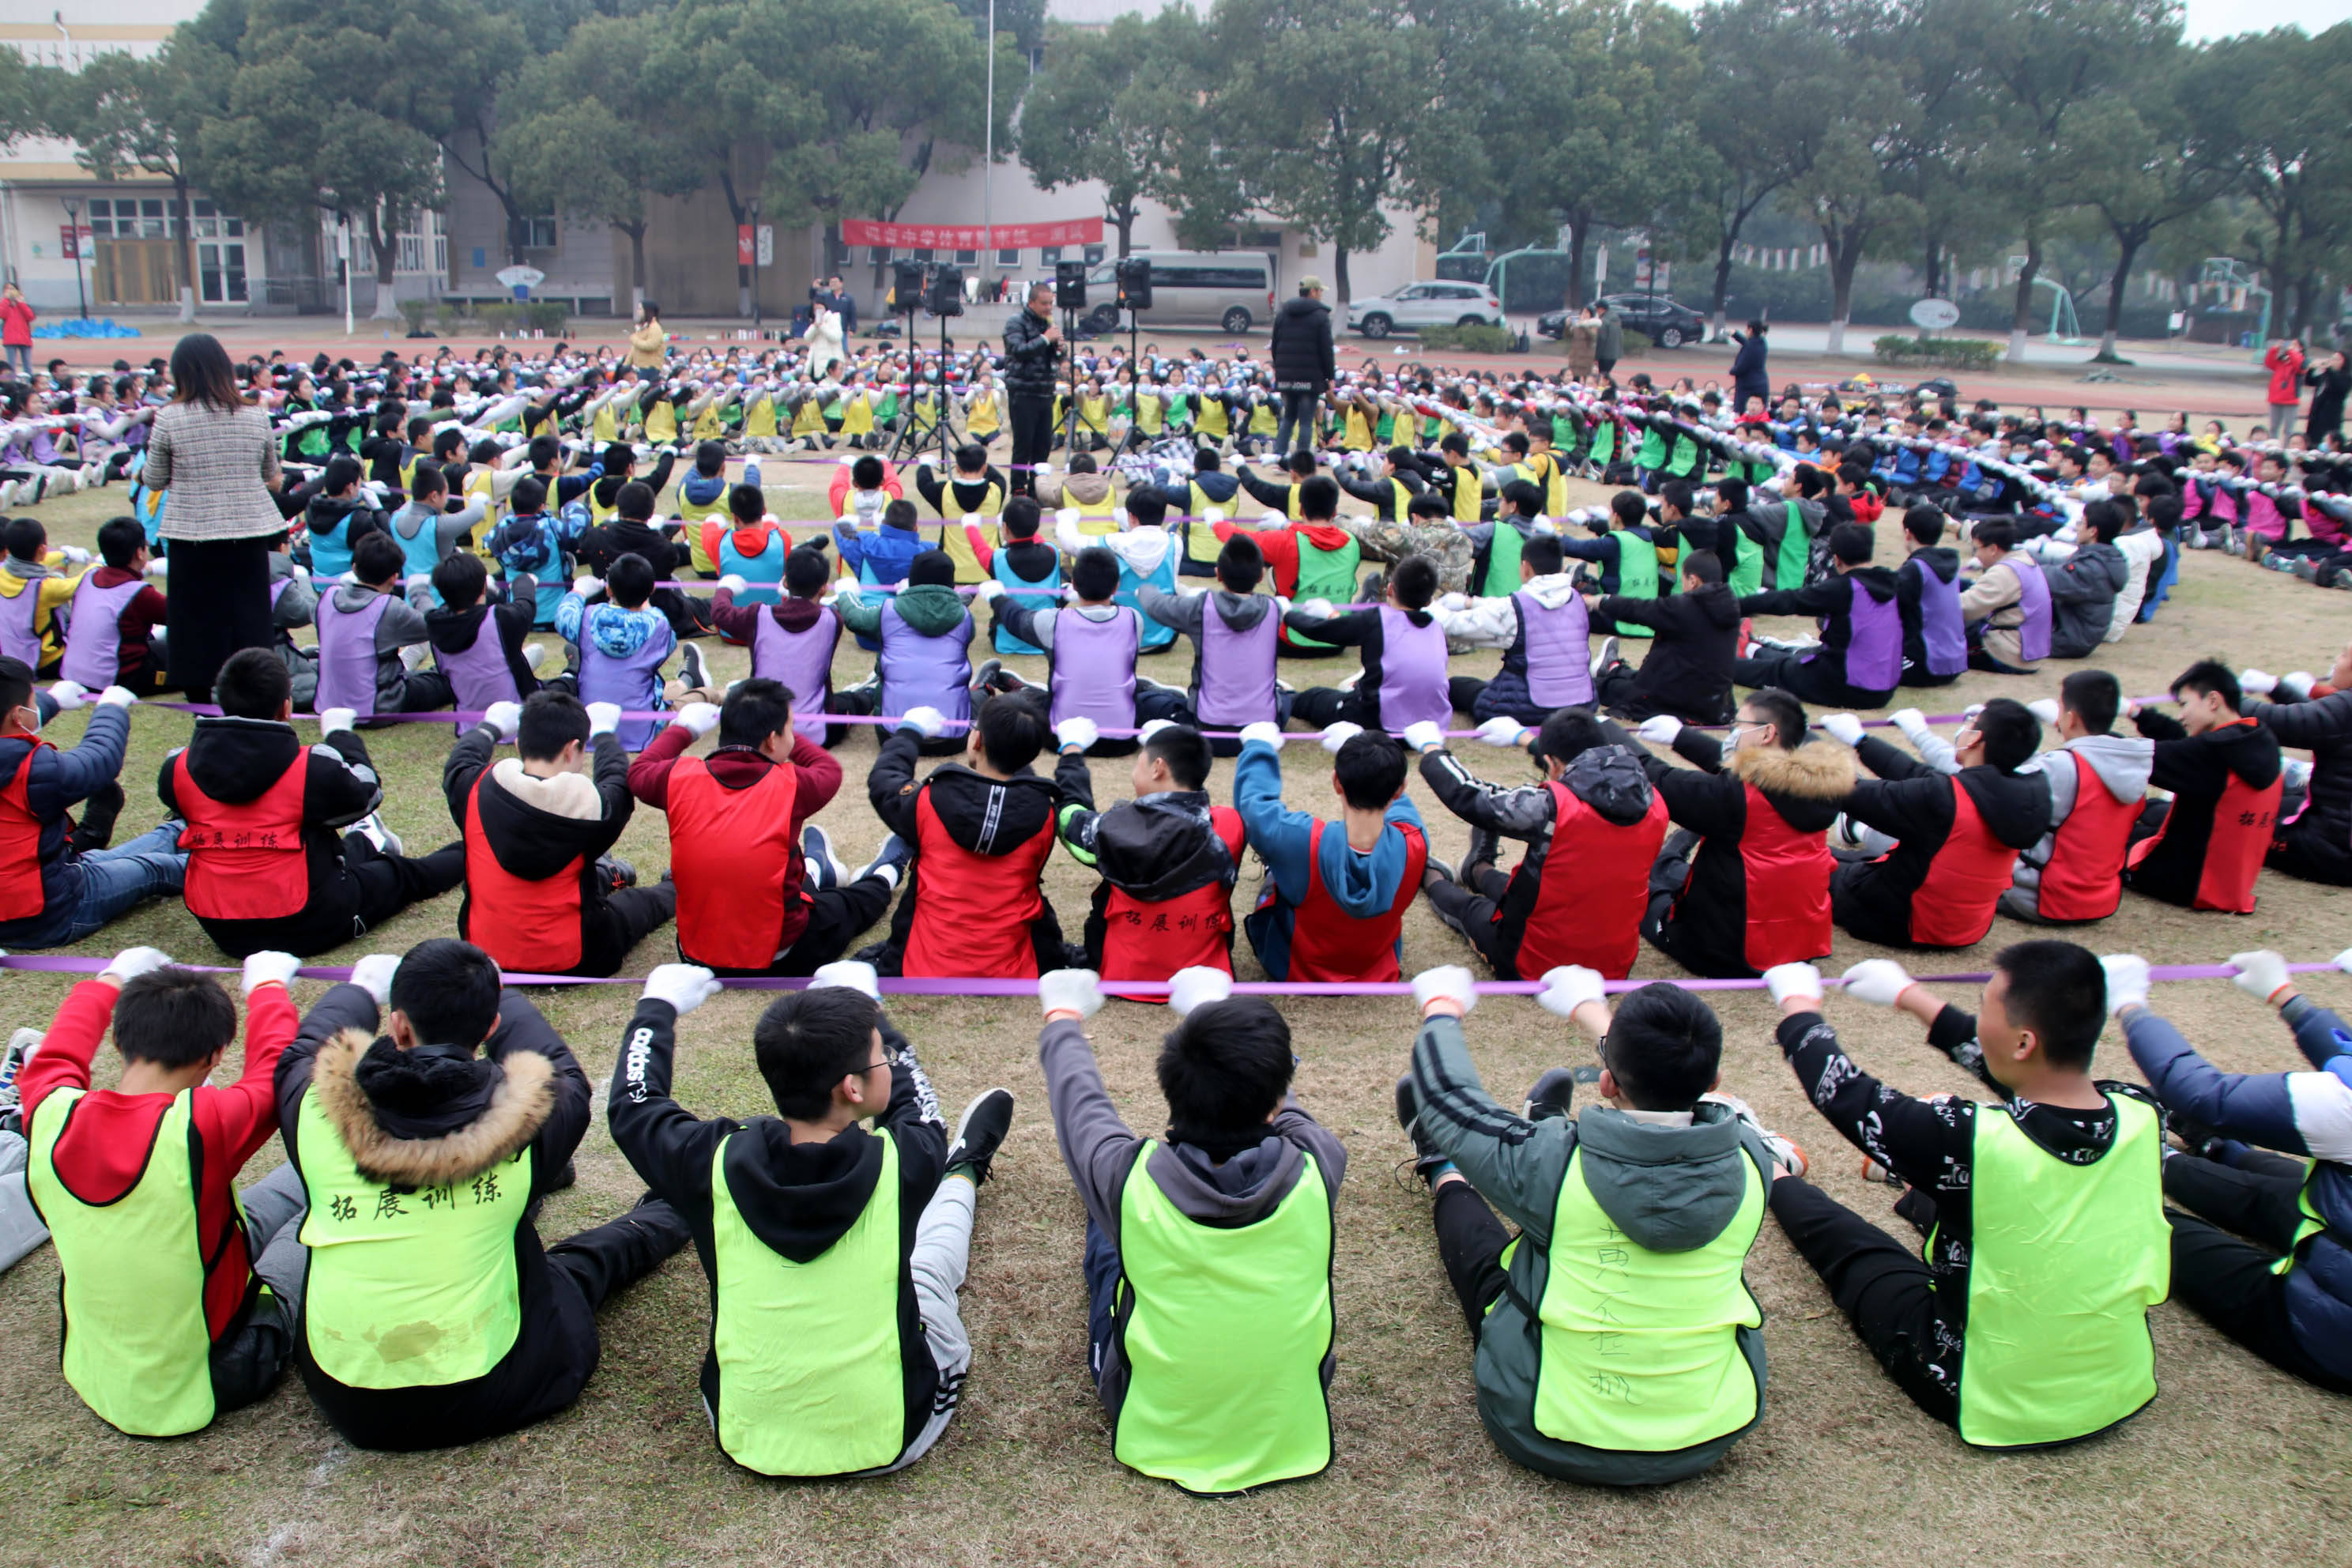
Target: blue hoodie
pixel 1363 885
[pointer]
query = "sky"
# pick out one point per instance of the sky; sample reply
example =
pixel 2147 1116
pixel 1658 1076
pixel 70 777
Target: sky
pixel 2219 18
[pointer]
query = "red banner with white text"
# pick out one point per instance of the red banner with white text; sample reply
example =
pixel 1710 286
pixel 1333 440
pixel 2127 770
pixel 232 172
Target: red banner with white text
pixel 971 236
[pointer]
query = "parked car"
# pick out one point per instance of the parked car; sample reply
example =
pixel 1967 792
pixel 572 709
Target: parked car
pixel 1656 316
pixel 1232 290
pixel 1434 302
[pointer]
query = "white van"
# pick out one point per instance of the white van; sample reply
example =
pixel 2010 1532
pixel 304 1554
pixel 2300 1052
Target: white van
pixel 1231 289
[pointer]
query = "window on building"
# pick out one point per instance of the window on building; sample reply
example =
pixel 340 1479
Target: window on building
pixel 879 256
pixel 1049 256
pixel 1096 253
pixel 923 255
pixel 539 234
pixel 1008 258
pixel 967 257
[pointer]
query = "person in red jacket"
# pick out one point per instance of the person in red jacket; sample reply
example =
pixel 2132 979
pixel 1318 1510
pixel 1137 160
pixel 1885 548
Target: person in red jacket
pixel 16 317
pixel 760 890
pixel 2284 359
pixel 2204 847
pixel 166 1324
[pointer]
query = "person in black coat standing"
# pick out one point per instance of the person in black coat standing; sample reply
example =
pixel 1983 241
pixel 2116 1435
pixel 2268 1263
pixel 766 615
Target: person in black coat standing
pixel 1300 347
pixel 1032 345
pixel 2329 381
pixel 1749 376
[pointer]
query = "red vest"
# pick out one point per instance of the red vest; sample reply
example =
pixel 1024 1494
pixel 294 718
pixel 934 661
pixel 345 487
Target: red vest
pixel 2242 820
pixel 1954 907
pixel 1788 885
pixel 531 928
pixel 973 912
pixel 1328 944
pixel 22 897
pixel 730 854
pixel 2084 878
pixel 1591 914
pixel 244 862
pixel 1152 941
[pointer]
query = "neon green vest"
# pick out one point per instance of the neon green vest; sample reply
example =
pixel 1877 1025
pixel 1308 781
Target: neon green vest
pixel 1502 560
pixel 1604 444
pixel 1653 452
pixel 1324 575
pixel 1686 457
pixel 1201 544
pixel 1796 552
pixel 2064 1263
pixel 1637 575
pixel 1224 1337
pixel 1640 1349
pixel 1745 571
pixel 409 1288
pixel 136 1346
pixel 2307 1226
pixel 1469 490
pixel 810 1367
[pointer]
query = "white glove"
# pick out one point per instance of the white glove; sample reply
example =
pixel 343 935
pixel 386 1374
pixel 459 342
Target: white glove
pixel 1911 722
pixel 1569 987
pixel 1450 981
pixel 849 976
pixel 734 583
pixel 133 962
pixel 604 718
pixel 1502 730
pixel 1799 980
pixel 2126 980
pixel 1143 736
pixel 925 721
pixel 117 697
pixel 1881 981
pixel 1455 602
pixel 374 975
pixel 2261 975
pixel 269 968
pixel 506 718
pixel 684 987
pixel 1319 609
pixel 157 567
pixel 1189 988
pixel 1423 736
pixel 699 718
pixel 2301 681
pixel 68 695
pixel 1842 728
pixel 585 584
pixel 1263 731
pixel 335 719
pixel 1075 991
pixel 1076 730
pixel 1281 604
pixel 2044 708
pixel 1661 730
pixel 989 590
pixel 1338 735
pixel 2257 682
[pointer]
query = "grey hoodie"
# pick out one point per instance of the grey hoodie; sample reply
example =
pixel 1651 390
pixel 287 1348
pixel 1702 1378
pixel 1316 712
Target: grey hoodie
pixel 1183 611
pixel 2123 763
pixel 402 626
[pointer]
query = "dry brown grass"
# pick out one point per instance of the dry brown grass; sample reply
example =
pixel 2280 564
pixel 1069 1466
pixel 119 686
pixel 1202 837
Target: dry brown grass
pixel 2234 1463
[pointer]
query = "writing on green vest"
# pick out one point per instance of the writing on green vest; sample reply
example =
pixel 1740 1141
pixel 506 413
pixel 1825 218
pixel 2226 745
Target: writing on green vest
pixel 1637 575
pixel 1324 575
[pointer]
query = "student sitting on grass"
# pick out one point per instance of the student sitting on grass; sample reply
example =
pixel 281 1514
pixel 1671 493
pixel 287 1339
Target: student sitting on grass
pixel 365 628
pixel 1333 901
pixel 114 631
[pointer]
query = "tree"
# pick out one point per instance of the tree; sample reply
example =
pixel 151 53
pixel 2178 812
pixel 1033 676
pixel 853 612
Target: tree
pixel 1846 196
pixel 2142 170
pixel 1767 94
pixel 1117 106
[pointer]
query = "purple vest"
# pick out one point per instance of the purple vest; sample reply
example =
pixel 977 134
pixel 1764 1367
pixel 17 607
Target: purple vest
pixel 1557 650
pixel 17 638
pixel 479 676
pixel 94 635
pixel 1412 672
pixel 2034 636
pixel 920 671
pixel 1940 631
pixel 1236 670
pixel 634 682
pixel 1093 672
pixel 1874 649
pixel 278 586
pixel 804 662
pixel 347 656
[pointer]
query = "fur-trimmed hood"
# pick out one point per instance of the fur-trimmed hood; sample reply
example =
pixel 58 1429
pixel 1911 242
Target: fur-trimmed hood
pixel 1817 770
pixel 519 1094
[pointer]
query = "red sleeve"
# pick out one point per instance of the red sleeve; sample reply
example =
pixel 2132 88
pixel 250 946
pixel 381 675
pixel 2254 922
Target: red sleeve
pixel 736 623
pixel 649 774
pixel 236 1120
pixel 713 530
pixel 820 777
pixel 141 616
pixel 66 1050
pixel 890 485
pixel 981 547
pixel 837 489
pixel 1280 548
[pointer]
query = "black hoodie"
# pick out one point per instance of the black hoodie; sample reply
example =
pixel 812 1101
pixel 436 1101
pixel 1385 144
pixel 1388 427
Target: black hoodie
pixel 1831 602
pixel 1909 583
pixel 1687 671
pixel 1913 803
pixel 2196 769
pixel 985 815
pixel 1299 344
pixel 1153 848
pixel 534 829
pixel 455 631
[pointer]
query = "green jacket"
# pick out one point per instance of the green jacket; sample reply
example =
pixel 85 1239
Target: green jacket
pixel 930 608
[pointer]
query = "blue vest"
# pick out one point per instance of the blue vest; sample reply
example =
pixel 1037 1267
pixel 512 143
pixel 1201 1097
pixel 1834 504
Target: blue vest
pixel 1000 566
pixel 1163 578
pixel 760 572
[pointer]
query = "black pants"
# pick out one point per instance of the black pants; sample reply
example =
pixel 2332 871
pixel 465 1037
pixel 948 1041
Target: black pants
pixel 620 1252
pixel 1152 702
pixel 1030 418
pixel 217 603
pixel 1295 429
pixel 1885 1291
pixel 2307 848
pixel 1470 1242
pixel 1814 681
pixel 388 884
pixel 1470 909
pixel 628 917
pixel 2228 1282
pixel 836 917
pixel 371 887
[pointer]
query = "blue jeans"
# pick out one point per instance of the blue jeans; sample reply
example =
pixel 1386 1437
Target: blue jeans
pixel 20 357
pixel 111 881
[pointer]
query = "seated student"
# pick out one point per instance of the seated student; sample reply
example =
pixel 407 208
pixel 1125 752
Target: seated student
pixel 604 495
pixel 1200 504
pixel 1928 592
pixel 981 829
pixel 620 644
pixel 425 528
pixel 975 489
pixel 293 606
pixel 1593 805
pixel 2007 609
pixel 530 544
pixel 1618 1342
pixel 543 894
pixel 1167 859
pixel 2204 847
pixel 759 889
pixel 853 1242
pixel 1208 1261
pixel 861 490
pixel 881 555
pixel 1332 903
pixel 1145 553
pixel 1403 651
pixel 423 1158
pixel 59 880
pixel 1235 644
pixel 1542 627
pixel 2025 1323
pixel 338 515
pixel 114 630
pixel 1626 553
pixel 285 850
pixel 1299 470
pixel 633 531
pixel 2285 1291
pixel 477 644
pixel 163 1327
pixel 925 634
pixel 2313 835
pixel 34 588
pixel 1744 882
pixel 1460 478
pixel 1084 494
pixel 1787 525
pixel 1730 534
pixel 1090 650
pixel 1858 662
pixel 1426 528
pixel 364 625
pixel 706 501
pixel 792 641
pixel 1312 559
pixel 2084 587
pixel 1943 840
pixel 1694 643
pixel 1024 566
pixel 1496 546
pixel 745 543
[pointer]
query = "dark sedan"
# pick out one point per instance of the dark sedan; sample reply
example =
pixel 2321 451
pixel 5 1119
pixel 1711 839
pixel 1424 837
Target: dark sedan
pixel 1656 316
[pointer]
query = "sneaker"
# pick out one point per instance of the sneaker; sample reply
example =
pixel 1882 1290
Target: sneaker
pixel 1551 1094
pixel 980 1134
pixel 2305 568
pixel 21 1046
pixel 1426 1157
pixel 1785 1151
pixel 533 653
pixel 983 677
pixel 2233 541
pixel 825 868
pixel 890 864
pixel 1485 845
pixel 2343 578
pixel 617 873
pixel 372 827
pixel 1879 1176
pixel 691 664
pixel 1605 655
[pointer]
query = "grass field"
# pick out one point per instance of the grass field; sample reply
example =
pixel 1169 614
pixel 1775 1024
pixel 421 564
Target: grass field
pixel 2234 1463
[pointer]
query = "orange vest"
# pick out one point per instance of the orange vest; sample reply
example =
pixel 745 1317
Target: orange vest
pixel 529 927
pixel 22 896
pixel 1788 885
pixel 1590 913
pixel 1152 941
pixel 2084 878
pixel 1327 943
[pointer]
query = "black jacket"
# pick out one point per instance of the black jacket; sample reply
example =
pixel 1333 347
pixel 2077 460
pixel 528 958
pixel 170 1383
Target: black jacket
pixel 2196 769
pixel 534 842
pixel 600 546
pixel 1300 345
pixel 969 495
pixel 1831 602
pixel 1029 359
pixel 1913 803
pixel 2318 844
pixel 1687 671
pixel 455 631
pixel 324 514
pixel 1154 847
pixel 985 815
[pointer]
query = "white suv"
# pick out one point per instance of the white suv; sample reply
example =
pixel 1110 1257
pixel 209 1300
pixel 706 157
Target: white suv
pixel 1432 304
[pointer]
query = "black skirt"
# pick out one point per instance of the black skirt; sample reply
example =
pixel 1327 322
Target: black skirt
pixel 217 602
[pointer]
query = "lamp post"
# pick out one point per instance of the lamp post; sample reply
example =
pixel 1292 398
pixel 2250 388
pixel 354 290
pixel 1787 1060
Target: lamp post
pixel 988 165
pixel 73 220
pixel 754 209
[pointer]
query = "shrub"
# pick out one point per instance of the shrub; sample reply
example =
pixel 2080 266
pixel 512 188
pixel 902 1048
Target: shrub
pixel 1477 339
pixel 1950 353
pixel 416 311
pixel 505 316
pixel 546 316
pixel 1636 342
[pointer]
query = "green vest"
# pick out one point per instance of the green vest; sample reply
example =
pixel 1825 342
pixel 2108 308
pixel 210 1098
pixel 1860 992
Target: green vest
pixel 409 1288
pixel 811 1379
pixel 1640 1349
pixel 1684 460
pixel 1324 575
pixel 1604 443
pixel 1745 571
pixel 2309 1225
pixel 1502 560
pixel 1224 1332
pixel 2064 1263
pixel 1637 576
pixel 1384 432
pixel 1796 552
pixel 136 1345
pixel 1653 452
